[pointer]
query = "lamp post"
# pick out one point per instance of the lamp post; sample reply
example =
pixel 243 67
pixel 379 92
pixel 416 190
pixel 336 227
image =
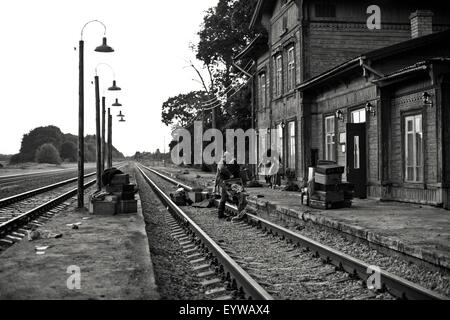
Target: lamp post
pixel 100 136
pixel 104 48
pixel 110 146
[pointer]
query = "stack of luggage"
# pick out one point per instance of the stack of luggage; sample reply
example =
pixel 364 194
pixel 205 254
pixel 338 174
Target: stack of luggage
pixel 329 190
pixel 118 195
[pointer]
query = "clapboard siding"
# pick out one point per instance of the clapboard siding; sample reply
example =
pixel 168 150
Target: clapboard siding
pixel 330 44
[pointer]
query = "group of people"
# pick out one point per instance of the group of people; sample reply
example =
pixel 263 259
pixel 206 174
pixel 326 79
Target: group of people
pixel 229 182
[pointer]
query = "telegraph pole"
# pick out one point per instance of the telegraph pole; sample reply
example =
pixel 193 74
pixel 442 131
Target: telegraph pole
pixel 98 134
pixel 103 133
pixel 80 192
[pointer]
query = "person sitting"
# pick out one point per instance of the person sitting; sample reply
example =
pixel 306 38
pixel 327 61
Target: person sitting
pixel 224 168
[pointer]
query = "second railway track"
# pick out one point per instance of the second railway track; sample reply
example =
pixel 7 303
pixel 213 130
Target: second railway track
pixel 29 210
pixel 291 266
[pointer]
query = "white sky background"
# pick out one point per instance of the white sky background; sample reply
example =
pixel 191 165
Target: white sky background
pixel 39 66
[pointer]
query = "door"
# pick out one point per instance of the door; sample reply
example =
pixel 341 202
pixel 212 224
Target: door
pixel 356 158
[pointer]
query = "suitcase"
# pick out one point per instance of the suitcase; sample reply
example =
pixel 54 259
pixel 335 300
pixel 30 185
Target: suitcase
pixel 330 169
pixel 331 179
pixel 331 196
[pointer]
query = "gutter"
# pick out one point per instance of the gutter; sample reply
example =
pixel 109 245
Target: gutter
pixel 401 73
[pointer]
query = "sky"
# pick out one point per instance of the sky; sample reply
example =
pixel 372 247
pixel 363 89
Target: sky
pixel 39 65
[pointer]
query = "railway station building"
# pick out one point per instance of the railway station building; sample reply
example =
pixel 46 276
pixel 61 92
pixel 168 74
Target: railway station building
pixel 373 98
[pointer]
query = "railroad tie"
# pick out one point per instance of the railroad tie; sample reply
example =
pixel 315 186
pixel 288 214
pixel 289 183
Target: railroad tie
pixel 202 267
pixel 211 282
pixel 199 260
pixel 215 291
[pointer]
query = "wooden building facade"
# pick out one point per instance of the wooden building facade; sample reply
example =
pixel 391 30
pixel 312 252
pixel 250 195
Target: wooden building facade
pixel 323 77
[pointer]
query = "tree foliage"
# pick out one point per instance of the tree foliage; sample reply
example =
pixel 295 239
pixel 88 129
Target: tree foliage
pixel 224 33
pixel 36 138
pixel 69 151
pixel 180 110
pixel 47 153
pixel 65 144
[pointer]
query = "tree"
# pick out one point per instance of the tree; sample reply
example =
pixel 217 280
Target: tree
pixel 47 153
pixel 225 33
pixel 180 110
pixel 36 138
pixel 69 151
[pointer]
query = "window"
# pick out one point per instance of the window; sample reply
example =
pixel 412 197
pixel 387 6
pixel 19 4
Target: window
pixel 280 140
pixel 291 69
pixel 262 90
pixel 330 134
pixel 278 75
pixel 292 143
pixel 285 24
pixel 356 153
pixel 325 10
pixel 413 148
pixel 359 116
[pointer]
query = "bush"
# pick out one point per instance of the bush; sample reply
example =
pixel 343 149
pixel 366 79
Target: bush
pixel 69 151
pixel 47 153
pixel 15 159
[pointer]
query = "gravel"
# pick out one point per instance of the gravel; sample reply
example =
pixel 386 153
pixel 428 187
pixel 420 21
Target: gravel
pixel 174 276
pixel 422 275
pixel 286 272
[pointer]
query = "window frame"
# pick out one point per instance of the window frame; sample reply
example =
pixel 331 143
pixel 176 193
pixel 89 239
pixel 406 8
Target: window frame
pixel 358 110
pixel 405 133
pixel 278 75
pixel 280 141
pixel 262 90
pixel 292 144
pixel 291 65
pixel 332 134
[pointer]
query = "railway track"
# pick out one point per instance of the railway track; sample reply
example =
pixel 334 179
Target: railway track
pixel 14 226
pixel 25 195
pixel 198 246
pixel 325 281
pixel 30 210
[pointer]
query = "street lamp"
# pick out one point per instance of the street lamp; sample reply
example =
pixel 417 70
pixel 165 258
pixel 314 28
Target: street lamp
pixel 116 104
pixel 110 145
pixel 100 137
pixel 104 48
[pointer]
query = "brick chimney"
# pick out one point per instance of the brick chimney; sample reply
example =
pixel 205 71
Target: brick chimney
pixel 421 23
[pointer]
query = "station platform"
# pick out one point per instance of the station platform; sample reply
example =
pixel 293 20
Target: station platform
pixel 111 254
pixel 421 232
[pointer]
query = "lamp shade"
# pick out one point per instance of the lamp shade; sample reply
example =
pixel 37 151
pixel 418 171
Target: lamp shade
pixel 121 115
pixel 114 87
pixel 116 104
pixel 104 47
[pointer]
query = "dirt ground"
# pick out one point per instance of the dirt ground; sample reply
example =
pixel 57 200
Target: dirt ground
pixel 111 251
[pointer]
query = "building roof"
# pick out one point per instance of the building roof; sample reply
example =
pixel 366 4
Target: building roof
pixel 412 69
pixel 379 54
pixel 261 6
pixel 259 41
